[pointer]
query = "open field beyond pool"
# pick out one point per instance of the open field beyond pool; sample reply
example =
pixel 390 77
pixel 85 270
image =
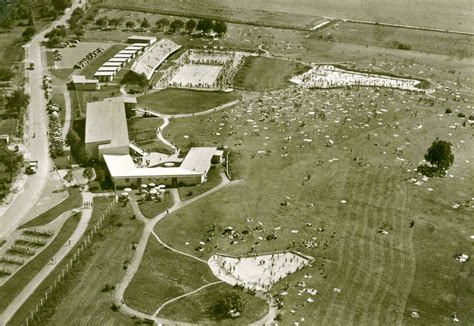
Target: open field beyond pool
pixel 301 13
pixel 175 101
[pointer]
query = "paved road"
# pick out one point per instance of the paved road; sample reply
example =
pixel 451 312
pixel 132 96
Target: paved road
pixel 36 140
pixel 35 282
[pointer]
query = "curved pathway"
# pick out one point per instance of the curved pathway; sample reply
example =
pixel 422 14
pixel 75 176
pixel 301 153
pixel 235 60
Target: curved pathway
pixel 190 115
pixel 140 250
pixel 183 296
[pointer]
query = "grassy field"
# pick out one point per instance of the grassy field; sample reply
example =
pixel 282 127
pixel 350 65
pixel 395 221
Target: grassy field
pixel 16 283
pixel 79 99
pixel 155 146
pixel 80 298
pixel 144 123
pixel 73 201
pixel 178 101
pixel 262 74
pixel 301 13
pixel 391 37
pixel 164 275
pixel 213 179
pixel 383 278
pixel 201 307
pixel 85 300
pixel 152 208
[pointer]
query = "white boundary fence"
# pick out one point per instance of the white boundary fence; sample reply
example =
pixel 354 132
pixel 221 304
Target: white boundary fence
pixel 33 317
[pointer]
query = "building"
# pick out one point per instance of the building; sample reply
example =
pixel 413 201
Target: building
pixel 193 170
pixel 80 83
pixel 125 173
pixel 106 128
pixel 141 39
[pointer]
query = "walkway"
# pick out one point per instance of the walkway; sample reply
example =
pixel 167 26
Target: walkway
pixel 36 281
pixel 68 111
pixel 140 250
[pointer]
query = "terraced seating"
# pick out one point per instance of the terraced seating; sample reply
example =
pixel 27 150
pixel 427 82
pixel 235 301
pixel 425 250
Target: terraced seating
pixel 153 57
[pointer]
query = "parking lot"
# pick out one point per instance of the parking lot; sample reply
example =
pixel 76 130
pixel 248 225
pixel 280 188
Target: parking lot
pixel 72 55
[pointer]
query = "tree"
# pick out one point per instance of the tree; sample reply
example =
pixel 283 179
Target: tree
pixel 440 155
pixel 79 32
pixel 102 22
pixel 162 23
pixel 115 22
pixel 176 25
pixel 60 5
pixel 17 101
pixel 220 27
pixel 130 24
pixel 6 74
pixel 12 160
pixel 72 138
pixel 190 26
pixel 205 25
pixel 145 23
pixel 28 33
pixel 88 173
pixel 69 177
pixel 225 303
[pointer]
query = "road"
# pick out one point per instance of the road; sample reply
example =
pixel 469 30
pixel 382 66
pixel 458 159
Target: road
pixel 36 139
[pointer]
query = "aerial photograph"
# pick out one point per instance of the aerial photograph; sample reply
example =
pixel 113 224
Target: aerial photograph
pixel 236 162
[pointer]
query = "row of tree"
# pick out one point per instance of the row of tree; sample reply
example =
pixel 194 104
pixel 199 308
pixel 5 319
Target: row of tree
pixel 165 25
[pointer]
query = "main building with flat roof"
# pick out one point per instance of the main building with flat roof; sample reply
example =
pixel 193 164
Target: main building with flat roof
pixel 106 128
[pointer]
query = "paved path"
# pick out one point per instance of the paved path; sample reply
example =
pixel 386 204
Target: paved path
pixel 35 282
pixel 159 134
pixel 189 115
pixel 68 116
pixel 140 250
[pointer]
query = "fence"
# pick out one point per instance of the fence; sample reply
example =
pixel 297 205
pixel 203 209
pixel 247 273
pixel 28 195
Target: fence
pixel 32 318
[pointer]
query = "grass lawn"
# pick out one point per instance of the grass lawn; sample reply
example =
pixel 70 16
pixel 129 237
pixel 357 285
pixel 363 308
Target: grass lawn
pixel 79 99
pixel 144 123
pixel 164 275
pixel 80 298
pixel 155 146
pixel 61 73
pixel 262 74
pixel 16 283
pixel 151 208
pixel 204 307
pixel 181 101
pixel 213 179
pixel 8 126
pixel 357 185
pixel 93 66
pixel 73 201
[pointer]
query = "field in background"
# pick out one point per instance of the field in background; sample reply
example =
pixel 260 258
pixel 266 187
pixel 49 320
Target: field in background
pixel 455 15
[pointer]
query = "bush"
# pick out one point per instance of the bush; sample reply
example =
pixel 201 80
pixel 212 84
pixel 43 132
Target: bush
pixel 448 111
pixel 461 115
